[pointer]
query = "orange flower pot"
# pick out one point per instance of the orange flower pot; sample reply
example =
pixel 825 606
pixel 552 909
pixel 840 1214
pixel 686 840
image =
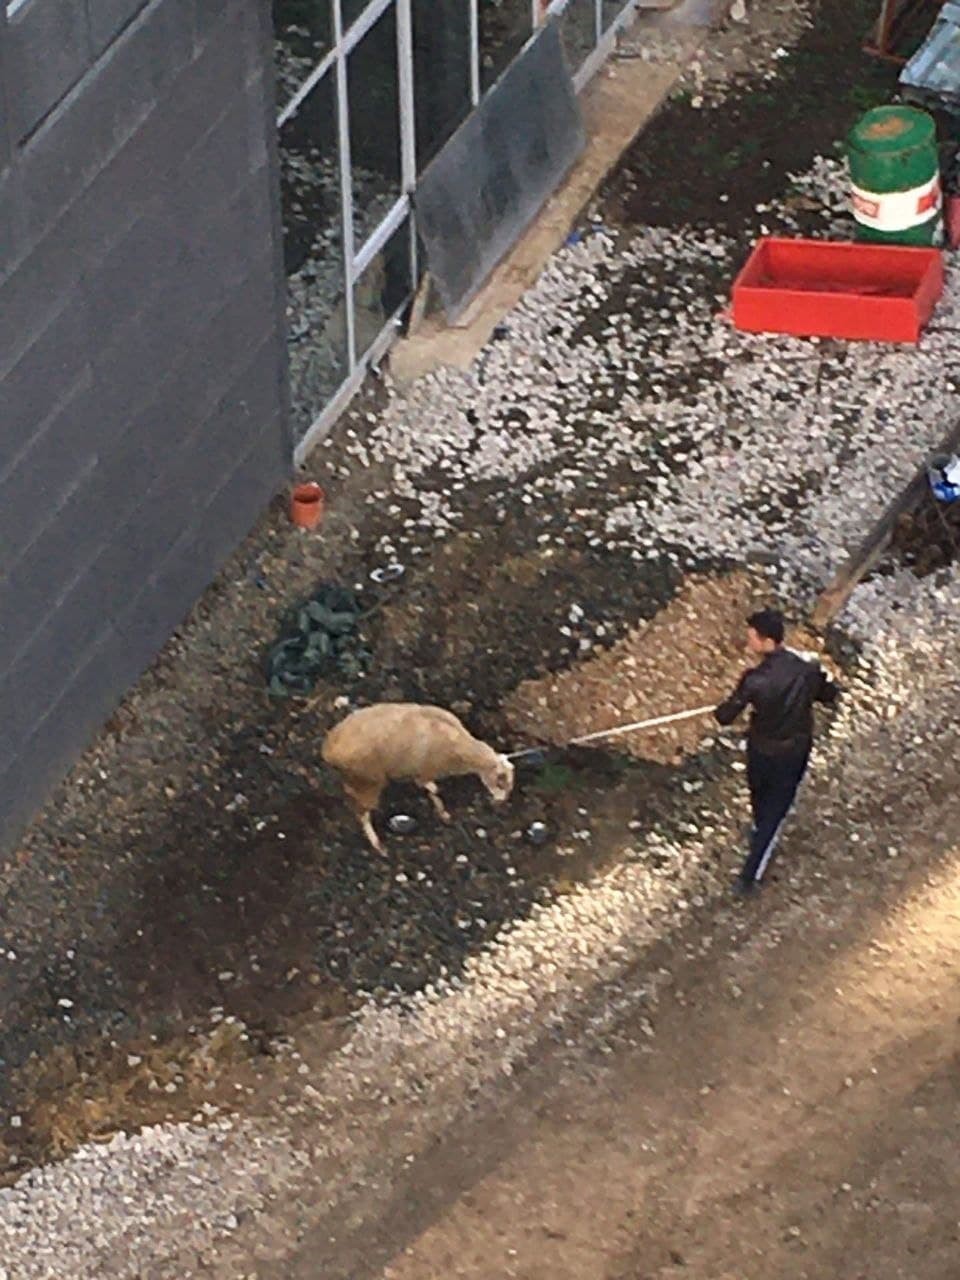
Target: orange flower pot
pixel 306 505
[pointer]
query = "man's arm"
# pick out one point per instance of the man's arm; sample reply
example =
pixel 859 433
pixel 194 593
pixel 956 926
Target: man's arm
pixel 728 711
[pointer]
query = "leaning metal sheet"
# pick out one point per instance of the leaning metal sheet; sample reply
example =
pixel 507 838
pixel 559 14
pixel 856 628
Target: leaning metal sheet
pixel 932 76
pixel 492 177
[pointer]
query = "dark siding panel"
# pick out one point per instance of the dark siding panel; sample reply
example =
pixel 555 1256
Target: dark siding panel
pixel 132 364
pixel 193 562
pixel 180 136
pixel 196 383
pixel 28 698
pixel 62 644
pixel 53 466
pixel 108 108
pixel 142 365
pixel 204 90
pixel 47 51
pixel 123 654
pixel 169 510
pixel 96 508
pixel 42 377
pixel 209 15
pixel 34 295
pixel 5 123
pixel 166 245
pixel 11 209
pixel 46 572
pixel 108 18
pixel 152 250
pixel 59 739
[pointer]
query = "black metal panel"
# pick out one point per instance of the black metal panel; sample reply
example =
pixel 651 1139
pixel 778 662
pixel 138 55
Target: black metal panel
pixel 47 51
pixel 494 174
pixel 108 18
pixel 142 361
pixel 123 88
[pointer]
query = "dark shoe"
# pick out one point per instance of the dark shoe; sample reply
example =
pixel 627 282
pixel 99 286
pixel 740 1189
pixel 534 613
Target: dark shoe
pixel 745 888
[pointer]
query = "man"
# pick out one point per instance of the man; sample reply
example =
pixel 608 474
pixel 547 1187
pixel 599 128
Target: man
pixel 781 690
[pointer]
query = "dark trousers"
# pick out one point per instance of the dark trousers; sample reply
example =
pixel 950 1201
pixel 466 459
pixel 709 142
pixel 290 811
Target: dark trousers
pixel 773 782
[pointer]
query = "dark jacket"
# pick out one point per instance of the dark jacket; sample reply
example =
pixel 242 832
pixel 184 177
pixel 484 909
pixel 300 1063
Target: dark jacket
pixel 781 692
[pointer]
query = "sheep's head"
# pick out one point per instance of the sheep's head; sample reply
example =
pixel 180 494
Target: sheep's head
pixel 498 779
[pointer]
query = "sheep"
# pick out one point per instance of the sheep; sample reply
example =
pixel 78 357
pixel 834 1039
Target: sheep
pixel 394 741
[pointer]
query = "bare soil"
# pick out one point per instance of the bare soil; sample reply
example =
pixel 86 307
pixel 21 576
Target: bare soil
pixel 215 873
pixel 691 654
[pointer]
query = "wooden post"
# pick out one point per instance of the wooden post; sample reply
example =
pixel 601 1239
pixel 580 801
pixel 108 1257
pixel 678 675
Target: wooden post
pixel 894 15
pixel 861 560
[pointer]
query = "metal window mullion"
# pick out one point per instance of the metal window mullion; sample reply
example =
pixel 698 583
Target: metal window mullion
pixel 414 255
pixel 311 82
pixel 474 52
pixel 346 184
pixel 408 118
pixel 367 20
pixel 603 50
pixel 387 227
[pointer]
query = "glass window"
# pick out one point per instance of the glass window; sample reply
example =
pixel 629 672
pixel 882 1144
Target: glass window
pixel 313 253
pixel 578 32
pixel 441 55
pixel 382 288
pixel 303 31
pixel 374 94
pixel 505 27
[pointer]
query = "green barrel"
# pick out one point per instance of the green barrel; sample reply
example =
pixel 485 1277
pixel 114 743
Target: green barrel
pixel 895 176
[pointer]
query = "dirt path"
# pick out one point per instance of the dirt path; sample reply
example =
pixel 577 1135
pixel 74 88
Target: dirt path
pixel 793 1116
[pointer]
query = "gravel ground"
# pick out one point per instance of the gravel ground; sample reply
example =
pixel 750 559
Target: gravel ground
pixel 617 436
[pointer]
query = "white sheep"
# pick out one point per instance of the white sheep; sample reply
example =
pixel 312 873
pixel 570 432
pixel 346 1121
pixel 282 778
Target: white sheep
pixel 394 741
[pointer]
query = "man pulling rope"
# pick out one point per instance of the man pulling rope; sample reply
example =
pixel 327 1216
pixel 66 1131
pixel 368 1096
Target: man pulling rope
pixel 781 691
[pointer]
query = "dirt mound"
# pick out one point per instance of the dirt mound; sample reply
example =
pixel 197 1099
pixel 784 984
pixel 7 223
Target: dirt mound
pixel 690 654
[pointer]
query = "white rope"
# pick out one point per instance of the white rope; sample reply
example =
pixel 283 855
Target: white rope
pixel 624 728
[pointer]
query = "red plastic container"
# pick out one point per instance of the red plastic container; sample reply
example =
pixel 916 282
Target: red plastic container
pixel 827 289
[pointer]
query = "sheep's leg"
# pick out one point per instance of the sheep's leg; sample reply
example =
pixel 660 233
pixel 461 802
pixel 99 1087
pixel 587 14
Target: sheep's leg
pixel 366 823
pixel 433 791
pixel 363 798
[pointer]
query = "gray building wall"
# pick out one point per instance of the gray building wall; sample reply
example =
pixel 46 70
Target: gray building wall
pixel 143 419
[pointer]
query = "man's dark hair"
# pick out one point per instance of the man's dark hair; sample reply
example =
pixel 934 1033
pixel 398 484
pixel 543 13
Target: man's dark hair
pixel 768 623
